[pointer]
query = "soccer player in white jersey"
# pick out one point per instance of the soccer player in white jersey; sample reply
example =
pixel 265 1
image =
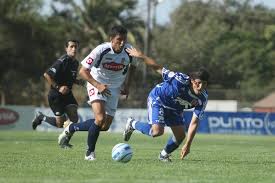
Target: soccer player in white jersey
pixel 106 71
pixel 166 103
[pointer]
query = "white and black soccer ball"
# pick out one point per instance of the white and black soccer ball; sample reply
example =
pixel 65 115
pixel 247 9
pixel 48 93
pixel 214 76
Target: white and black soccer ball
pixel 122 153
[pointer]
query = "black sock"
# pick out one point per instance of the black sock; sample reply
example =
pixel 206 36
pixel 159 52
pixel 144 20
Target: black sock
pixel 93 134
pixel 50 120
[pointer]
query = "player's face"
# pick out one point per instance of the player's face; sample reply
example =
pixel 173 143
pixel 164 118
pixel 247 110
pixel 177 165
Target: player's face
pixel 118 42
pixel 72 49
pixel 198 85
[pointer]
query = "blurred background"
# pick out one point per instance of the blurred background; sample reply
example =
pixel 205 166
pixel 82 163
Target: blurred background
pixel 233 39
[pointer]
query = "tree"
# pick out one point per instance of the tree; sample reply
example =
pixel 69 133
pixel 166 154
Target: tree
pixel 233 39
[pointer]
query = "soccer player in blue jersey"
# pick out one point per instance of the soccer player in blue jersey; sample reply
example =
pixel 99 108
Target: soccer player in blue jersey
pixel 166 103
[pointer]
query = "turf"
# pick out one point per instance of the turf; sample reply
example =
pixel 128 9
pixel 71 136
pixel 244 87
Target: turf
pixel 35 157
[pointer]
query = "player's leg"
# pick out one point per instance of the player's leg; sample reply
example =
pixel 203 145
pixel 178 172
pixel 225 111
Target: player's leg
pixel 155 126
pixel 97 102
pixel 110 108
pixel 57 106
pixel 71 111
pixel 175 122
pixel 71 107
pixel 98 107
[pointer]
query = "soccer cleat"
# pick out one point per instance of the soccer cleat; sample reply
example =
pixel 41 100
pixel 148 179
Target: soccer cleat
pixel 65 137
pixel 128 129
pixel 164 158
pixel 67 146
pixel 90 156
pixel 37 120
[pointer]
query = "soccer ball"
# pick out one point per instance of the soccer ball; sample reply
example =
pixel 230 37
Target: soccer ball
pixel 122 153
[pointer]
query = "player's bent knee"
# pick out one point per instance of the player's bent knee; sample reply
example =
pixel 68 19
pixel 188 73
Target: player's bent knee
pixel 104 128
pixel 74 119
pixel 157 133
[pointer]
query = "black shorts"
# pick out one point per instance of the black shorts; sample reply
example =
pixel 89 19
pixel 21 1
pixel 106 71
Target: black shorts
pixel 58 102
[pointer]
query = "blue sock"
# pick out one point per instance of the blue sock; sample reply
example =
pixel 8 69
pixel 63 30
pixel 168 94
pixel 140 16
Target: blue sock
pixel 171 145
pixel 144 128
pixel 84 126
pixel 92 136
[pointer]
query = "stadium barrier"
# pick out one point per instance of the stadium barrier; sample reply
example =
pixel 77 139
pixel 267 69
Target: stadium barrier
pixel 251 123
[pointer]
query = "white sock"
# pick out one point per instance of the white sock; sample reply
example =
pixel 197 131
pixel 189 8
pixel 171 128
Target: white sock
pixel 134 124
pixel 163 153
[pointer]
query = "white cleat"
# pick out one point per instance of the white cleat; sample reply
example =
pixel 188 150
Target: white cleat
pixel 128 129
pixel 90 157
pixel 65 136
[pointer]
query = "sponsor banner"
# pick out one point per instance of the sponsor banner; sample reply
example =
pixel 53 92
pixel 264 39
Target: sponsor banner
pixel 16 117
pixel 250 123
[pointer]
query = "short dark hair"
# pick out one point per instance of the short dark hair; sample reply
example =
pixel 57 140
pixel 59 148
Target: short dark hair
pixel 71 40
pixel 118 30
pixel 201 74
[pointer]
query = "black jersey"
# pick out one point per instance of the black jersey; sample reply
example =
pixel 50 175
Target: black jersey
pixel 64 71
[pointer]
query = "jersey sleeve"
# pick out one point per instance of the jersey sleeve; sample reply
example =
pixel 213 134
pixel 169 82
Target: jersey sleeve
pixel 199 110
pixel 90 60
pixel 167 74
pixel 54 69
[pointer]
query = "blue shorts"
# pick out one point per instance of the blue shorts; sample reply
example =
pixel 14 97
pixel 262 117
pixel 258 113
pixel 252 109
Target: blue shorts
pixel 157 114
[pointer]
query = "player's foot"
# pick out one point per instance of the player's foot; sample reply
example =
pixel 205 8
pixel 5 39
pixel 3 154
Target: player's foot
pixel 37 120
pixel 90 156
pixel 67 146
pixel 164 158
pixel 65 137
pixel 128 129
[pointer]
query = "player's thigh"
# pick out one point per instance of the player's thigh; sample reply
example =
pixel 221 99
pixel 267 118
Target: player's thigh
pixel 56 103
pixel 156 117
pixel 179 132
pixel 98 107
pixel 112 102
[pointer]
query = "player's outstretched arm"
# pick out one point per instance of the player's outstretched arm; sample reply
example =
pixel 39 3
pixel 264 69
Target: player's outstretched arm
pixel 147 60
pixel 190 136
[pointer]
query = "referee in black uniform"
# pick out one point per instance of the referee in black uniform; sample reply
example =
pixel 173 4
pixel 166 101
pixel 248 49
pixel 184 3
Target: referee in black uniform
pixel 61 76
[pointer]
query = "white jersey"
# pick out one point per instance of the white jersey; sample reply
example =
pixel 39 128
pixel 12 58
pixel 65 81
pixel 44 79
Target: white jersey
pixel 108 67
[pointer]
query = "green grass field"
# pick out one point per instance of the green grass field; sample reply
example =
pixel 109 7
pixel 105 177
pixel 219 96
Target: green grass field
pixel 35 157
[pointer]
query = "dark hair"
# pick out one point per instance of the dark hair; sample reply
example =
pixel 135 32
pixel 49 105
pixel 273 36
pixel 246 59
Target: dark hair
pixel 118 30
pixel 201 74
pixel 71 40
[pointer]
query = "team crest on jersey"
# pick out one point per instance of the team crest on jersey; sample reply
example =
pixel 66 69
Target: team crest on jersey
pixel 184 103
pixel 113 66
pixel 90 60
pixel 53 70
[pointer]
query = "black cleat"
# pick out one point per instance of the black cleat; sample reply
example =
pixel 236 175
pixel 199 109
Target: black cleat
pixel 164 158
pixel 37 120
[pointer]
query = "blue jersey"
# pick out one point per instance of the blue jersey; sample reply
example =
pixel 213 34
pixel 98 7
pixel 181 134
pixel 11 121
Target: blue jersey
pixel 174 93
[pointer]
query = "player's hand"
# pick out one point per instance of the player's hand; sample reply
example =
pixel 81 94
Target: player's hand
pixel 134 52
pixel 184 151
pixel 64 90
pixel 103 90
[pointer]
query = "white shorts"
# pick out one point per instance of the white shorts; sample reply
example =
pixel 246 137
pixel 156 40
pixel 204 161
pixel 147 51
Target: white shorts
pixel 110 102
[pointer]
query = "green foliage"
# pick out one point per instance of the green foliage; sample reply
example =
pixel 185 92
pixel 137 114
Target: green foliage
pixel 232 39
pixel 35 157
